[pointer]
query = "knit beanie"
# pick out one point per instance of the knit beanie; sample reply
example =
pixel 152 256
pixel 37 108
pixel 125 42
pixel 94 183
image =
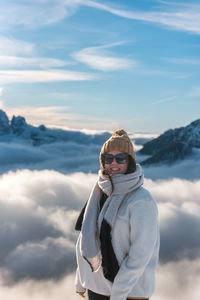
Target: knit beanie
pixel 119 141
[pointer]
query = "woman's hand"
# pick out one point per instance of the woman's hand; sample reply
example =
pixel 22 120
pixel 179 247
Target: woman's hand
pixel 82 294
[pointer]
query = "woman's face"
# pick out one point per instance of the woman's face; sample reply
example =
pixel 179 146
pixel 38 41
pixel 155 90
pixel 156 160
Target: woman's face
pixel 116 168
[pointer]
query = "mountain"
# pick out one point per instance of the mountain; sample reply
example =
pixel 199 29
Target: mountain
pixel 173 144
pixel 4 123
pixel 18 130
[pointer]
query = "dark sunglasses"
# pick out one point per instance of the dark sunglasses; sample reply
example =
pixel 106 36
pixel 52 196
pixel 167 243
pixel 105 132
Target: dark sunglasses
pixel 121 158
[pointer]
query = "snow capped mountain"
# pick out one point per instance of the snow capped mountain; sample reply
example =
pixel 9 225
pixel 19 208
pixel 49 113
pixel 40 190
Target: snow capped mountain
pixel 19 130
pixel 173 144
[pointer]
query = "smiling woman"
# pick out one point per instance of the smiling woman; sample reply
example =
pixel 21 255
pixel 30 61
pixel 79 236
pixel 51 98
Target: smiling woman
pixel 117 249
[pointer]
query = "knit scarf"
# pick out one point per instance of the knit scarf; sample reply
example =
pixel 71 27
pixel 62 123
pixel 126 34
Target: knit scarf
pixel 96 243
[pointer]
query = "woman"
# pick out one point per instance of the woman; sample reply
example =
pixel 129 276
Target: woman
pixel 118 246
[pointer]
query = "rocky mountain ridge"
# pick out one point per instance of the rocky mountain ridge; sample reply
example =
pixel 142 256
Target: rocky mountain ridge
pixel 17 129
pixel 173 144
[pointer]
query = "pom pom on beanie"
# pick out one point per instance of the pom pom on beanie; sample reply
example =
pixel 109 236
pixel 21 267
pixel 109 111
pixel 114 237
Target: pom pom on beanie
pixel 119 141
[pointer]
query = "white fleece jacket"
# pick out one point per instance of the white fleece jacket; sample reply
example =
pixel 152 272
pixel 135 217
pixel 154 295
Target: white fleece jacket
pixel 136 241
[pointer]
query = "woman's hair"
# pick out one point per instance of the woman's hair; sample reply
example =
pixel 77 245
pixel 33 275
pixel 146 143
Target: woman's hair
pixel 130 169
pixel 131 165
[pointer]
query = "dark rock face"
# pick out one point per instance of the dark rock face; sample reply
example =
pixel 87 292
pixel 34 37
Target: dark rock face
pixel 4 123
pixel 172 145
pixel 18 125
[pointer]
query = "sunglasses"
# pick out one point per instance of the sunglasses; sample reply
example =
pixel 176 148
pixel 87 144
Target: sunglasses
pixel 121 158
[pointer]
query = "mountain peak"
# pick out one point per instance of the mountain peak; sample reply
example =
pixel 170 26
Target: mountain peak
pixel 4 123
pixel 18 125
pixel 173 144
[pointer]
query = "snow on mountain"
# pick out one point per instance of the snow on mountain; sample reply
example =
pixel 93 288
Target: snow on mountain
pixel 19 130
pixel 172 145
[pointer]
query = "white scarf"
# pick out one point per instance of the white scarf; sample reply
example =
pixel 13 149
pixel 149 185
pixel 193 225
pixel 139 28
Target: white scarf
pixel 92 220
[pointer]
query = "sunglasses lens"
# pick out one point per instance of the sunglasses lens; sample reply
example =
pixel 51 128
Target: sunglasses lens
pixel 121 158
pixel 108 158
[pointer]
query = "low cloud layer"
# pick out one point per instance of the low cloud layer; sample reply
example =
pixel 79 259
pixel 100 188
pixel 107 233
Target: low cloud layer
pixel 178 280
pixel 179 210
pixel 186 169
pixel 38 210
pixel 37 217
pixel 66 157
pixel 42 191
pixel 80 154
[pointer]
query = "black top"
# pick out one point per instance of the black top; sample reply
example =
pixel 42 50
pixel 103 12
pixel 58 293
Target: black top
pixel 103 200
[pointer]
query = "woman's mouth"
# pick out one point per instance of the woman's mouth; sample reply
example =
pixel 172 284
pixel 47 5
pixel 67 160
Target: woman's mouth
pixel 115 169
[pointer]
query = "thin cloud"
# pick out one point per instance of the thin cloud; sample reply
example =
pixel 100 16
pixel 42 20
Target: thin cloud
pixel 97 58
pixel 184 61
pixel 44 13
pixel 181 76
pixel 41 62
pixel 36 13
pixel 147 135
pixel 60 116
pixel 10 46
pixel 1 91
pixel 11 76
pixel 195 92
pixel 164 100
pixel 184 19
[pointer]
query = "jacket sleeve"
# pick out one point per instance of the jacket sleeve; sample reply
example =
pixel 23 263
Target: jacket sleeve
pixel 78 286
pixel 143 236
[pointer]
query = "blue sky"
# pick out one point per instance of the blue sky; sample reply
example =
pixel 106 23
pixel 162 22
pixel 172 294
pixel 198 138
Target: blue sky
pixel 101 64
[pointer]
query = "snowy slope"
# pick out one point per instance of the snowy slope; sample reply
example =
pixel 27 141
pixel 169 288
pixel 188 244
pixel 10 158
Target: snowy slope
pixel 173 145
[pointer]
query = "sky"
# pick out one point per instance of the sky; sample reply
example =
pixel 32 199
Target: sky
pixel 94 65
pixel 100 65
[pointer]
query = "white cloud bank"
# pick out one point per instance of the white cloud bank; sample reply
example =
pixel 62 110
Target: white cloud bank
pixel 37 216
pixel 78 152
pixel 174 281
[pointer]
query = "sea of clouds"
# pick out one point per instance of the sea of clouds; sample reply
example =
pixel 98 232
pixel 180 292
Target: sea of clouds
pixel 42 191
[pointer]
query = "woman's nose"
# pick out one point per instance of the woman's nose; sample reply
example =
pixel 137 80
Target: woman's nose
pixel 114 161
